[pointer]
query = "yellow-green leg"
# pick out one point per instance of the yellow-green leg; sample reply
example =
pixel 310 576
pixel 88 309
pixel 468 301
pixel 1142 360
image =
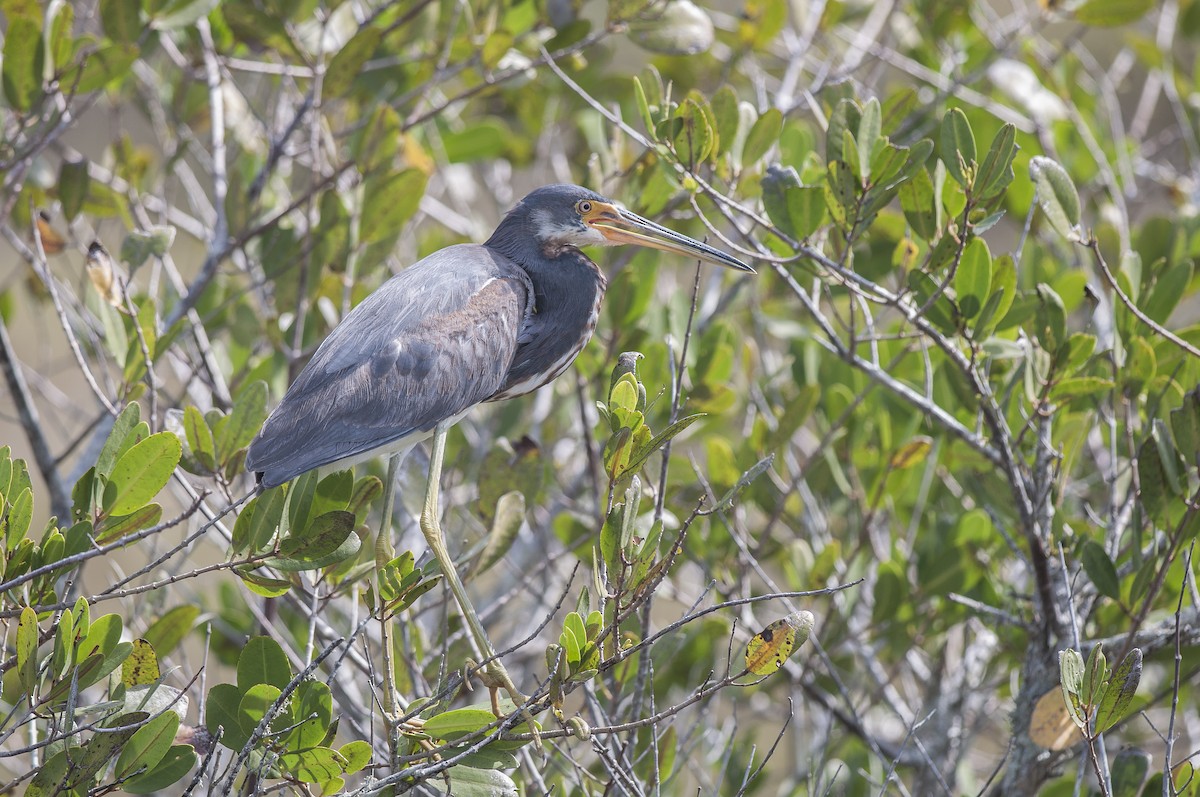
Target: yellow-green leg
pixel 384 553
pixel 493 674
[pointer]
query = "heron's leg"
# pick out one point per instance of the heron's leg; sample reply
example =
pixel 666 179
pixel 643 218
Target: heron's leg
pixel 385 551
pixel 493 671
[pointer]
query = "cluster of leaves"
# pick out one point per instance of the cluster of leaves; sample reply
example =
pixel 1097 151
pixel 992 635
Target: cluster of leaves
pixel 308 524
pixel 282 724
pixel 129 739
pixel 1097 698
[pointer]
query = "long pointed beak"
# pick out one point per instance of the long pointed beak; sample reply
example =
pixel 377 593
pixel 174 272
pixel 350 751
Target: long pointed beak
pixel 622 227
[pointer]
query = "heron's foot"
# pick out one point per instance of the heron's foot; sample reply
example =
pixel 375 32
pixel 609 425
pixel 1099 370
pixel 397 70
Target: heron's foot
pixel 494 678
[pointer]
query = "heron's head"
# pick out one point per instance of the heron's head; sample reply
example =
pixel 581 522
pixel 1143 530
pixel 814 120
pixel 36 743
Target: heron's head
pixel 562 216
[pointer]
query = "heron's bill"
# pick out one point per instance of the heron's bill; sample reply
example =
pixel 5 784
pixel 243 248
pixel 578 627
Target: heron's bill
pixel 622 227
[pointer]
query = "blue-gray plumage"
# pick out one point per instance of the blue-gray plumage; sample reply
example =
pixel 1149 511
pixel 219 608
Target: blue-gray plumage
pixel 464 325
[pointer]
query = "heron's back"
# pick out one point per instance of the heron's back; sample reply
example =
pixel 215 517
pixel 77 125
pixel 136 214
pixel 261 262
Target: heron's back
pixel 431 342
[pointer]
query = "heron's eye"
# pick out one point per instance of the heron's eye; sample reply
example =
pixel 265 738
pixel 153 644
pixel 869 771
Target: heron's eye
pixel 583 206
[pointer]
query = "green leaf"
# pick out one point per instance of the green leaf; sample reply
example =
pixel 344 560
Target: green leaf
pixel 958 145
pixel 973 278
pixel 658 441
pixel 470 782
pixel 64 645
pixel 330 538
pixel 762 136
pixel 366 490
pixel 73 182
pixel 1110 13
pixel 509 515
pixel 79 769
pixel 148 745
pixel 263 662
pixel 1070 673
pixel 1152 479
pixel 103 635
pixel 1170 287
pixel 449 725
pixel 850 157
pixel 389 201
pixel 20 515
pixel 255 704
pixel 1095 677
pixel 483 140
pixel 300 494
pixel 116 445
pixel 314 765
pixel 356 755
pixel 1100 570
pixel 1129 770
pixel 695 140
pixel 24 53
pixel 942 313
pixel 122 19
pixel 374 147
pixel 333 492
pixel 221 711
pixel 797 210
pixel 846 116
pixel 643 105
pixel 348 62
pixel 868 134
pixel 168 631
pixel 725 112
pixel 140 245
pixel 60 42
pixel 1078 349
pixel 1121 690
pixel 265 586
pixel 917 202
pixel 97 69
pixel 177 763
pixel 312 705
pixel 1185 424
pixel 249 412
pixel 27 645
pixel 1050 319
pixel 114 527
pixel 1057 196
pixel 262 520
pixel 104 666
pixel 1079 387
pixel 142 472
pixel 996 172
pixel 200 438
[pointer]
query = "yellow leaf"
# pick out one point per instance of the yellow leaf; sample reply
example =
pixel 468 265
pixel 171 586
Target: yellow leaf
pixel 770 647
pixel 105 276
pixel 52 241
pixel 141 668
pixel 911 453
pixel 1051 726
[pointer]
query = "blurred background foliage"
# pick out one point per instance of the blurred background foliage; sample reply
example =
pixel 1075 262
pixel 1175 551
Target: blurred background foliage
pixel 954 417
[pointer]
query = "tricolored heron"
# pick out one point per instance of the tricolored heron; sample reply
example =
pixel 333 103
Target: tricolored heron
pixel 465 325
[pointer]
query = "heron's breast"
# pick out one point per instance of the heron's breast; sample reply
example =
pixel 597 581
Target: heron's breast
pixel 552 350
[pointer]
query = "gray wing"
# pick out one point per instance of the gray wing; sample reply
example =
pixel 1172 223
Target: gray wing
pixel 431 342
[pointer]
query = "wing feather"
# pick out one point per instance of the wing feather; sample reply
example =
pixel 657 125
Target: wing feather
pixel 431 342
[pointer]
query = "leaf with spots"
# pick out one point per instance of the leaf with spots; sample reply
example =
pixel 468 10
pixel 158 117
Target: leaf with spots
pixel 770 647
pixel 141 668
